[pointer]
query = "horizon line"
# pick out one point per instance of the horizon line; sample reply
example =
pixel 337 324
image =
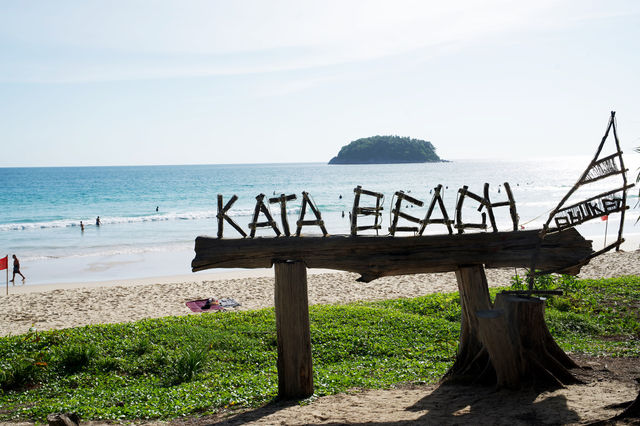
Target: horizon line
pixel 529 158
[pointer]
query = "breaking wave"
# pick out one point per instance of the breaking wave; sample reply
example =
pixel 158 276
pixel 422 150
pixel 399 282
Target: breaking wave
pixel 109 220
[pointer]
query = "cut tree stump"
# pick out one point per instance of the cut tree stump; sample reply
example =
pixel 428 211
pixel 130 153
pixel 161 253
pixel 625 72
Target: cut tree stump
pixel 472 362
pixel 508 344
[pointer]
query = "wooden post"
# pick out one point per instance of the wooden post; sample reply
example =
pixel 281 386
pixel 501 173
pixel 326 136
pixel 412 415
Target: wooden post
pixel 295 370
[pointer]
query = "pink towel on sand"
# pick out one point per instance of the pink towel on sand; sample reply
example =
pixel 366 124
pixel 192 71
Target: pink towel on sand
pixel 204 305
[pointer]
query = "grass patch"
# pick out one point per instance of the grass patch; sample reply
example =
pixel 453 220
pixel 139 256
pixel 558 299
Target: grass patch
pixel 74 357
pixel 176 366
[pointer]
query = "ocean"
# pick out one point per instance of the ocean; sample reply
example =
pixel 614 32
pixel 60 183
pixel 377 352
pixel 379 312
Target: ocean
pixel 41 208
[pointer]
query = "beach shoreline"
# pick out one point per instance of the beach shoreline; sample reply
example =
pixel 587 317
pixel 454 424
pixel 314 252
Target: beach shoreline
pixel 56 306
pixel 168 264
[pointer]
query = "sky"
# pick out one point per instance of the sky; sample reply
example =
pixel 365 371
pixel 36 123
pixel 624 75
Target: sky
pixel 131 82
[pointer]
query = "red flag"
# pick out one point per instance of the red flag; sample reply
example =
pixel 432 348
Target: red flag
pixel 605 217
pixel 4 262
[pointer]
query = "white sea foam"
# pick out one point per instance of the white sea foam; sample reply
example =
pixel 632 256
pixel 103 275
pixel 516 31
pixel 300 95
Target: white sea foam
pixel 109 220
pixel 115 251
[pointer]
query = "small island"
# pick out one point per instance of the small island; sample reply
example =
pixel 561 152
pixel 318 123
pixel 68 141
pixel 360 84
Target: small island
pixel 386 150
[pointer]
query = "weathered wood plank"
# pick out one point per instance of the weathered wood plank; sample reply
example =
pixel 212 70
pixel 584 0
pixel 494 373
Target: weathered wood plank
pixel 295 368
pixel 374 256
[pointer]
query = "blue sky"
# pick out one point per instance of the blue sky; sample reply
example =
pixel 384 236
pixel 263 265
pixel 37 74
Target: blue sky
pixel 189 82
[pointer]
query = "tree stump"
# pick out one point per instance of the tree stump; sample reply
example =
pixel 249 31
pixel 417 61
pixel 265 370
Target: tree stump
pixel 472 361
pixel 508 344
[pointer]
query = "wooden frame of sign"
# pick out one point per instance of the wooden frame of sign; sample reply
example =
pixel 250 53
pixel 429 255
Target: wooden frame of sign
pixel 484 326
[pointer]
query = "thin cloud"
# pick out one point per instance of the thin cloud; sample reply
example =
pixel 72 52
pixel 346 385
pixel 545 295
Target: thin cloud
pixel 67 42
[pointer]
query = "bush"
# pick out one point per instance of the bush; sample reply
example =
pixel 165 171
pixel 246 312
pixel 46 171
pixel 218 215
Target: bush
pixel 545 282
pixel 184 366
pixel 74 357
pixel 19 373
pixel 561 304
pixel 141 346
pixel 108 364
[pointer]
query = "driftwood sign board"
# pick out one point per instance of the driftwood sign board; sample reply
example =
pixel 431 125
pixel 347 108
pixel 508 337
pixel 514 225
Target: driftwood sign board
pixel 374 257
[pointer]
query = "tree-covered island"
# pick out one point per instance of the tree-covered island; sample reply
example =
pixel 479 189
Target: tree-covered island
pixel 385 150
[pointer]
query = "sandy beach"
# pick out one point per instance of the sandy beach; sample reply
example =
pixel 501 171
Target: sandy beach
pixel 47 307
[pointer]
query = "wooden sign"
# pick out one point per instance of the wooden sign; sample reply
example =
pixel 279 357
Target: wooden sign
pixel 368 207
pixel 592 208
pixel 613 201
pixel 368 204
pixel 487 335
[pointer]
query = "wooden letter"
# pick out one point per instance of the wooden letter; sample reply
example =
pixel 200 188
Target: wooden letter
pixel 463 193
pixel 510 203
pixel 282 199
pixel 222 216
pixel 445 217
pixel 400 197
pixel 366 211
pixel 261 207
pixel 301 222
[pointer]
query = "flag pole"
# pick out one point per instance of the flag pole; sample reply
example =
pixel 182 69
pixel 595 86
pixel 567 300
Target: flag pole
pixel 7 268
pixel 606 226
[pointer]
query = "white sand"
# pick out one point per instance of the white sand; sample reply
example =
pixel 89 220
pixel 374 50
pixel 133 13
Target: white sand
pixel 61 306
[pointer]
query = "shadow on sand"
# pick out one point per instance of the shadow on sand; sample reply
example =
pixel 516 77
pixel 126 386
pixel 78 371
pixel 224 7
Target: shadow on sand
pixel 448 404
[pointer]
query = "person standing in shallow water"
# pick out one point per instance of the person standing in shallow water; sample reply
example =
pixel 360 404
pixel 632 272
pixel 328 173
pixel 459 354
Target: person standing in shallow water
pixel 98 221
pixel 16 269
pixel 81 226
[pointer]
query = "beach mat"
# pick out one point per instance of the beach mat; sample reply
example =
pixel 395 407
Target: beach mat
pixel 228 303
pixel 204 305
pixel 211 305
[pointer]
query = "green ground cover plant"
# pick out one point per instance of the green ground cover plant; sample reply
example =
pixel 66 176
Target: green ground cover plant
pixel 177 366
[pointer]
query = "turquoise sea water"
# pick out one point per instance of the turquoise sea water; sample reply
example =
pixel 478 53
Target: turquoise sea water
pixel 42 207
